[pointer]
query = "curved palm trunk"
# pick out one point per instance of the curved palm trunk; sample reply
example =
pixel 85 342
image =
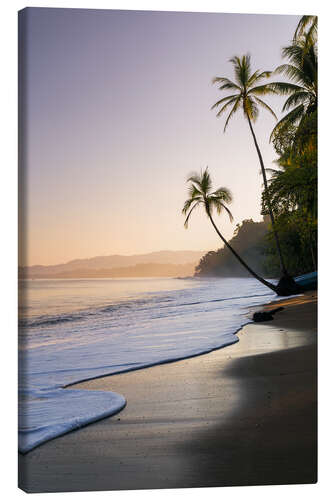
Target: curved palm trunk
pixel 282 265
pixel 255 275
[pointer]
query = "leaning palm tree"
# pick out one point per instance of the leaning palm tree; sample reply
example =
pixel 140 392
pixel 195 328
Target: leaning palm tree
pixel 246 97
pixel 302 90
pixel 200 193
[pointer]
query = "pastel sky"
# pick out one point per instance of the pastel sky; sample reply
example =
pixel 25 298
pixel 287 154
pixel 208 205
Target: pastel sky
pixel 118 114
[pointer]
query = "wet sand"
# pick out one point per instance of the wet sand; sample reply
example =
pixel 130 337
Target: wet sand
pixel 242 415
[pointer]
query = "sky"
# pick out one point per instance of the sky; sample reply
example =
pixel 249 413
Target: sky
pixel 115 113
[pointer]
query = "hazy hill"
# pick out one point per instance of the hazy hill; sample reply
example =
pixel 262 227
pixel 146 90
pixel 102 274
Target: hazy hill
pixel 249 241
pixel 163 263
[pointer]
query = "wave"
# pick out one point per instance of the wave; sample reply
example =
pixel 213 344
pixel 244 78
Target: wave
pixel 48 320
pixel 89 406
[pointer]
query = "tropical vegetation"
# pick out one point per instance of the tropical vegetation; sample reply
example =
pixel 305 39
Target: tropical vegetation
pixel 302 87
pixel 287 239
pixel 292 191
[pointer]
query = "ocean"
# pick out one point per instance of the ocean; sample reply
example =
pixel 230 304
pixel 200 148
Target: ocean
pixel 75 330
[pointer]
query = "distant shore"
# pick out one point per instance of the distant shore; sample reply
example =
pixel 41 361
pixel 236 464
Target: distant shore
pixel 241 415
pixel 165 263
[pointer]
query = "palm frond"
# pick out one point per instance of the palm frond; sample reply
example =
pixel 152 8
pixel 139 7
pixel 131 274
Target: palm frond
pixel 302 25
pixel 295 53
pixel 195 178
pixel 291 118
pixel 187 205
pixel 262 90
pixel 189 214
pixel 265 106
pixel 242 69
pixel 226 83
pixel 232 112
pixel 193 191
pixel 213 202
pixel 258 76
pixel 228 86
pixel 311 35
pixel 223 100
pixel 237 64
pixel 206 182
pixel 284 88
pixel 219 113
pixel 224 194
pixel 293 72
pixel 231 217
pixel 295 99
pixel 246 68
pixel 219 206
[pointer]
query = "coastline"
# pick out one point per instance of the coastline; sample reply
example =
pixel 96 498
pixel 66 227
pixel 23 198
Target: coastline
pixel 241 415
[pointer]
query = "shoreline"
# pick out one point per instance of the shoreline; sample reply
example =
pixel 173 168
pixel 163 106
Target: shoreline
pixel 202 421
pixel 65 430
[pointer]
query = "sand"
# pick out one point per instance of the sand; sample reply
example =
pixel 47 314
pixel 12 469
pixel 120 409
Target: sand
pixel 241 415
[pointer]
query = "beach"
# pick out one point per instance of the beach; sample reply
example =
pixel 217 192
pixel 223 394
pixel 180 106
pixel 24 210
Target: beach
pixel 241 415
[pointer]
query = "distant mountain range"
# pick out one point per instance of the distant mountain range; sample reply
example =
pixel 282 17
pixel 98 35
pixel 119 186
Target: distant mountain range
pixel 154 264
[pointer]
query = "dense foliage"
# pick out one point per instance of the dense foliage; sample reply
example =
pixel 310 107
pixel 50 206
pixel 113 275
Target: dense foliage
pixel 292 191
pixel 249 241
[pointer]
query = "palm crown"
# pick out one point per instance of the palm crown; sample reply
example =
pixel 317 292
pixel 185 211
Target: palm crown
pixel 247 90
pixel 303 91
pixel 200 193
pixel 310 22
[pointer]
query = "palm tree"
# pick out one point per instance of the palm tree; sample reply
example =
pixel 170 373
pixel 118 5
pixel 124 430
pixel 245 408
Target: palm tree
pixel 303 88
pixel 246 97
pixel 200 193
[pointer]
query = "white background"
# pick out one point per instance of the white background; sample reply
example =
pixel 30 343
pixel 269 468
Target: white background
pixel 8 246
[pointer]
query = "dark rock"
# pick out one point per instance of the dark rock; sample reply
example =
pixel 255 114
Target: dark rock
pixel 287 286
pixel 262 316
pixel 265 315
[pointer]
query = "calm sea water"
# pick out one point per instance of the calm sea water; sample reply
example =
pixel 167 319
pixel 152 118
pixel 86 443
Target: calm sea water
pixel 73 330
